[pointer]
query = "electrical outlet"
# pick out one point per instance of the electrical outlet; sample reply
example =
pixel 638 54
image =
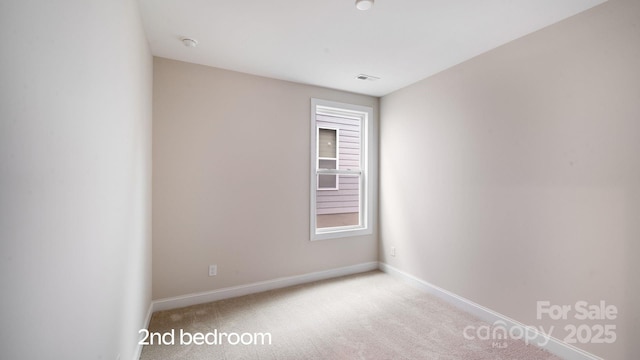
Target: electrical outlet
pixel 393 251
pixel 213 270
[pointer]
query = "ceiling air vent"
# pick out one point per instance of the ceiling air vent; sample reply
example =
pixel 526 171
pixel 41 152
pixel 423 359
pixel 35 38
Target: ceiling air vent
pixel 367 77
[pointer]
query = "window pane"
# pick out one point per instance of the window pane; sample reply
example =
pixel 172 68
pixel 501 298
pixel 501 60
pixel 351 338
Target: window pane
pixel 327 143
pixel 327 164
pixel 327 182
pixel 340 207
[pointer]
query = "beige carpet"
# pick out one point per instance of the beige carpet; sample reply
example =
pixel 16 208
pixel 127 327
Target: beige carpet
pixel 365 316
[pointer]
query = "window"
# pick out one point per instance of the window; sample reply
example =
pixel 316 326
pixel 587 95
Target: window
pixel 328 150
pixel 341 196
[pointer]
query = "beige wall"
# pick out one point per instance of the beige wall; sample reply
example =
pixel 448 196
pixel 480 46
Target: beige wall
pixel 515 176
pixel 75 187
pixel 231 180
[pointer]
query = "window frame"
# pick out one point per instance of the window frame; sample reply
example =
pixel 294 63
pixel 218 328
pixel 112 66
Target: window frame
pixel 366 172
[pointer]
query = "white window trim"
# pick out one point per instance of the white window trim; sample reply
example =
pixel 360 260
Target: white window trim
pixel 337 158
pixel 368 168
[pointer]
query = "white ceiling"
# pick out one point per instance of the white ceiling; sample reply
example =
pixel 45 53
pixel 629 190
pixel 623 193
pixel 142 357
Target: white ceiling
pixel 329 42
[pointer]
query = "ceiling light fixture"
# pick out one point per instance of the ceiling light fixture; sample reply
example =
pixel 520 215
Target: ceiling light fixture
pixel 364 4
pixel 189 42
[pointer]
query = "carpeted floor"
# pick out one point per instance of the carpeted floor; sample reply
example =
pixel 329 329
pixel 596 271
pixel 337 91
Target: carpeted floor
pixel 365 316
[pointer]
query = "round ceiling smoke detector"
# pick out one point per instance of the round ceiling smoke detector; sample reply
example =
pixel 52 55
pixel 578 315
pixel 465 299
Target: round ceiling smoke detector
pixel 364 4
pixel 189 42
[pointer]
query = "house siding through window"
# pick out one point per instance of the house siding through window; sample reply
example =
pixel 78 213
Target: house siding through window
pixel 346 198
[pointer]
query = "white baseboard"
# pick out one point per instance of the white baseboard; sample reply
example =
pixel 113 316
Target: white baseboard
pixel 235 291
pixel 147 320
pixel 551 344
